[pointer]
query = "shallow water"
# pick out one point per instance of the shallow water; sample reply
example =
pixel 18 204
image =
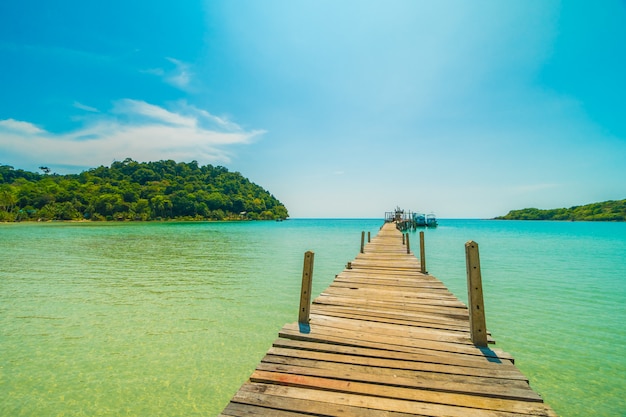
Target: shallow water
pixel 149 319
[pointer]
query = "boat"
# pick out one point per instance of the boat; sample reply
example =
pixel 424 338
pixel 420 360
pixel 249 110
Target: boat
pixel 431 220
pixel 419 220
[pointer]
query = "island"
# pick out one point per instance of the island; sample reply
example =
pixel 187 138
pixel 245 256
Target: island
pixel 131 190
pixel 612 210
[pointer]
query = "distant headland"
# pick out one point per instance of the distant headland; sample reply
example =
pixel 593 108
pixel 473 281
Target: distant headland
pixel 609 211
pixel 130 190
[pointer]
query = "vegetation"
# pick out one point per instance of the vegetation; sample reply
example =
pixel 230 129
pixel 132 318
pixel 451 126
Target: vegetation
pixel 131 190
pixel 613 210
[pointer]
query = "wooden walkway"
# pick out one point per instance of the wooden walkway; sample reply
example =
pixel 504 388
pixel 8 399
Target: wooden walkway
pixel 385 340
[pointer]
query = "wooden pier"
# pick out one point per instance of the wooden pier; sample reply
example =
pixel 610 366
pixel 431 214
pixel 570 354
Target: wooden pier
pixel 384 339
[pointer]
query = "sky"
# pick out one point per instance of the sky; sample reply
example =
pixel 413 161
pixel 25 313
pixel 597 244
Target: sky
pixel 347 109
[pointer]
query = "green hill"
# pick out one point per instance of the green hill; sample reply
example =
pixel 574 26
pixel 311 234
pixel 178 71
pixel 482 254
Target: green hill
pixel 613 210
pixel 131 190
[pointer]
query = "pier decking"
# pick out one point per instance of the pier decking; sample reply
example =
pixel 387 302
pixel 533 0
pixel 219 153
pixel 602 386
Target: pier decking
pixel 385 340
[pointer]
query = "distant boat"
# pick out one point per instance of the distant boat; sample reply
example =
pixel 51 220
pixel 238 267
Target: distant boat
pixel 419 220
pixel 431 220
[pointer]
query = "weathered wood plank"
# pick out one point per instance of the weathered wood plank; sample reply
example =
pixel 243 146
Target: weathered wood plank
pixel 234 409
pixel 408 400
pixel 401 376
pixel 446 311
pixel 384 329
pixel 306 402
pixel 262 403
pixel 366 339
pixel 497 388
pixel 412 363
pixel 396 317
pixel 417 355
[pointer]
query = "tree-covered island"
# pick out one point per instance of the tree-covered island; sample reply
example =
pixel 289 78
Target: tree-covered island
pixel 613 210
pixel 130 190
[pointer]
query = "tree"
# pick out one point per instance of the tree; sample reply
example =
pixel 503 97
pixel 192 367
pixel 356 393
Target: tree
pixel 7 198
pixel 604 211
pixel 136 191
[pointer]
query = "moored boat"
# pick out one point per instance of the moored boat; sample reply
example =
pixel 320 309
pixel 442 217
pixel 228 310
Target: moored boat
pixel 431 220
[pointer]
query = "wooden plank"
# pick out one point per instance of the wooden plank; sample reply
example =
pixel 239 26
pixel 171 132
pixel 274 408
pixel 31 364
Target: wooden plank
pixel 397 290
pixel 396 374
pixel 414 363
pixel 384 316
pixel 234 409
pixel 476 386
pixel 299 403
pixel 262 403
pixel 433 324
pixel 379 280
pixel 418 355
pixel 446 311
pixel 384 329
pixel 366 339
pixel 401 399
pixel 425 298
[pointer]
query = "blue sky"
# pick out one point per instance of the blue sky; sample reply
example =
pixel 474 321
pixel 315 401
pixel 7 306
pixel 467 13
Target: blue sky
pixel 340 109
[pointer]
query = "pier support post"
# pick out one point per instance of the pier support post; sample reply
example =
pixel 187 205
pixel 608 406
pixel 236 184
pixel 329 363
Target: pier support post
pixel 478 328
pixel 305 293
pixel 422 254
pixel 362 241
pixel 403 239
pixel 408 244
pixel 369 237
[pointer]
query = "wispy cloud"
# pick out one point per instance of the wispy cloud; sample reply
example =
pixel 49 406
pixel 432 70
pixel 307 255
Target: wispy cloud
pixel 19 128
pixel 141 109
pixel 82 106
pixel 134 129
pixel 180 76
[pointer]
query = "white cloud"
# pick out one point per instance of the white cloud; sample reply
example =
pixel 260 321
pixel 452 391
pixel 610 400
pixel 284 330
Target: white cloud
pixel 19 127
pixel 82 106
pixel 180 76
pixel 207 118
pixel 159 114
pixel 134 129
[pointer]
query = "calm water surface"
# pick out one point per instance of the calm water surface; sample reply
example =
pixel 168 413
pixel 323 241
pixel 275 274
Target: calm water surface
pixel 169 319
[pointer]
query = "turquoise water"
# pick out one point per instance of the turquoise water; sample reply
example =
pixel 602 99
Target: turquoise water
pixel 168 319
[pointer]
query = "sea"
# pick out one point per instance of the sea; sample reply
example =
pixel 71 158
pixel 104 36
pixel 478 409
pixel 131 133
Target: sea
pixel 170 318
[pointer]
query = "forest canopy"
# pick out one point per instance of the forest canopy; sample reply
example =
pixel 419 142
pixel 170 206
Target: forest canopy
pixel 130 190
pixel 613 210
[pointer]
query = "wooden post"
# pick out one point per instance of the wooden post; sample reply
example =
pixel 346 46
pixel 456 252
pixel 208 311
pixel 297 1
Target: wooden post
pixel 349 265
pixel 408 244
pixel 369 237
pixel 305 294
pixel 475 302
pixel 422 254
pixel 403 239
pixel 362 241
